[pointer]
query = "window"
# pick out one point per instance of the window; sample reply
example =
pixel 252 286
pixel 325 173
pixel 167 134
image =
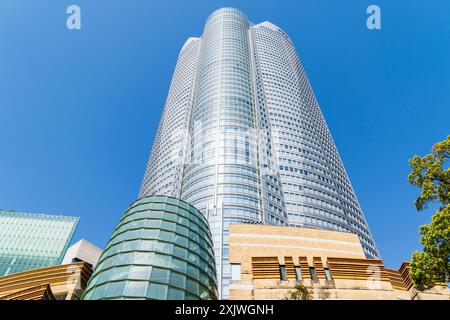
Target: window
pixel 99 291
pixel 115 289
pixel 157 291
pixel 328 274
pixel 160 275
pixel 140 272
pixel 298 273
pixel 120 273
pixel 175 294
pixel 192 286
pixel 177 279
pixel 235 271
pixel 136 289
pixel 283 275
pixel 313 273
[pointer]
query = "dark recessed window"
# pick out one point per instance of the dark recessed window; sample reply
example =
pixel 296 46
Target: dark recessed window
pixel 328 274
pixel 283 275
pixel 313 273
pixel 298 273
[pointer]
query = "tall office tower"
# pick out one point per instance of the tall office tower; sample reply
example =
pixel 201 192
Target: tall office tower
pixel 242 138
pixel 31 241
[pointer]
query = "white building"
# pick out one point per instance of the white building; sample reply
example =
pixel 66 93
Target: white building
pixel 83 250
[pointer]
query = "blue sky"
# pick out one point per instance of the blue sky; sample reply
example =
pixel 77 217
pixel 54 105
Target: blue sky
pixel 79 109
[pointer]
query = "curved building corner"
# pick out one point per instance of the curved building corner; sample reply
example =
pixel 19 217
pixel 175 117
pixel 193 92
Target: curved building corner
pixel 160 250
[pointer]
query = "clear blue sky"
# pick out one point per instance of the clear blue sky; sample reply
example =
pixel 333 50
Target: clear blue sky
pixel 79 109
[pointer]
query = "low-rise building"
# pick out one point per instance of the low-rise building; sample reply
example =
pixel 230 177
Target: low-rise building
pixel 83 250
pixel 29 241
pixel 161 250
pixel 61 282
pixel 268 261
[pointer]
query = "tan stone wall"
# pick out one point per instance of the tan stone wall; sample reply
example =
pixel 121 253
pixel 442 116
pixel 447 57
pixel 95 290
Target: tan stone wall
pixel 247 241
pixel 436 293
pixel 271 289
pixel 343 289
pixel 258 240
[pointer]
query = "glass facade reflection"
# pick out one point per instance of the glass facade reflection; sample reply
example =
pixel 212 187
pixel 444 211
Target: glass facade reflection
pixel 242 138
pixel 221 175
pixel 161 249
pixel 30 241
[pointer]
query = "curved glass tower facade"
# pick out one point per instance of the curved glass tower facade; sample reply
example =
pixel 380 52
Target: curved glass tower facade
pixel 163 174
pixel 161 249
pixel 221 171
pixel 254 146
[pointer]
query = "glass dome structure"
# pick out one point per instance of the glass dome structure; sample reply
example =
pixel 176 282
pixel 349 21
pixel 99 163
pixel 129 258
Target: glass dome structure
pixel 162 250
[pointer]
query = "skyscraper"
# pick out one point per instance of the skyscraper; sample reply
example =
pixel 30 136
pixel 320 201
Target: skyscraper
pixel 242 138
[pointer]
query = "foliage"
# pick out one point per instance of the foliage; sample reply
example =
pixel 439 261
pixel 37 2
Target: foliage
pixel 431 174
pixel 300 292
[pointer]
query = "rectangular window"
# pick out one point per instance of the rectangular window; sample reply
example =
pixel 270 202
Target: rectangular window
pixel 313 273
pixel 283 275
pixel 235 271
pixel 298 273
pixel 328 274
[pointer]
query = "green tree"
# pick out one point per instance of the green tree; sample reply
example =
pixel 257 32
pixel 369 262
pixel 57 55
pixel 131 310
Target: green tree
pixel 432 174
pixel 300 292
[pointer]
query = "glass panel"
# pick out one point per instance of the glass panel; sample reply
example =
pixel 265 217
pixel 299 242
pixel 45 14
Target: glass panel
pixel 136 288
pixel 157 291
pixel 99 292
pixel 105 276
pixel 192 286
pixel 120 273
pixel 167 236
pixel 179 265
pixel 147 245
pixel 142 258
pixel 115 289
pixel 175 294
pixel 180 252
pixel 160 275
pixel 140 273
pixel 168 226
pixel 193 271
pixel 161 260
pixel 178 279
